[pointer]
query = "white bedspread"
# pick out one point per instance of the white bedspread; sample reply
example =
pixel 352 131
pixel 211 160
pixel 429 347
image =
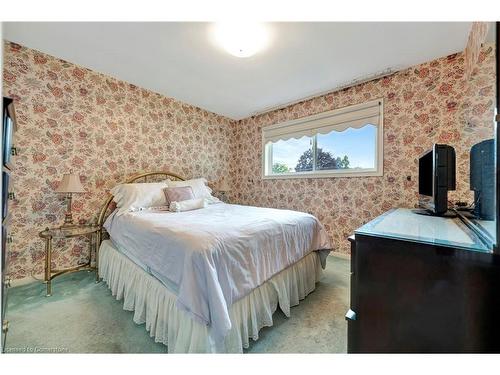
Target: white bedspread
pixel 219 254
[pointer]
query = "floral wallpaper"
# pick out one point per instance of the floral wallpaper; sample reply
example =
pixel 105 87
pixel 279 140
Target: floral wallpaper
pixel 71 118
pixel 425 104
pixel 477 36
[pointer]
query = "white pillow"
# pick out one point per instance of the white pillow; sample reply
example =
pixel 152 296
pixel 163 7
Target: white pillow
pixel 200 189
pixel 188 205
pixel 132 197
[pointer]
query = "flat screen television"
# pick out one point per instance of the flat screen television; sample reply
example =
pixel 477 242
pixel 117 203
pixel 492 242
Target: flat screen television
pixel 436 176
pixel 482 179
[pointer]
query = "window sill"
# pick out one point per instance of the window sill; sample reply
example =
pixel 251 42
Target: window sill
pixel 369 173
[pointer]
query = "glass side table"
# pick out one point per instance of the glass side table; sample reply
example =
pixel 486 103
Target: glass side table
pixel 48 234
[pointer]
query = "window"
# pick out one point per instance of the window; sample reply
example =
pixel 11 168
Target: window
pixel 344 142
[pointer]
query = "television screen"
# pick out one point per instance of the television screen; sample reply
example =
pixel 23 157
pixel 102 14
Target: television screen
pixel 425 174
pixel 436 175
pixel 482 178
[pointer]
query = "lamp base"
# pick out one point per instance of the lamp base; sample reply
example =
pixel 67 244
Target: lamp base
pixel 68 217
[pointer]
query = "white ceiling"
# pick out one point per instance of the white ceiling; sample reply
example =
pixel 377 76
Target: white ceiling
pixel 180 60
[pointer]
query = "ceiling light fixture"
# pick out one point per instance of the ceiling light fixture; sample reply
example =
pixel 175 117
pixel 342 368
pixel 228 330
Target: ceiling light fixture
pixel 241 39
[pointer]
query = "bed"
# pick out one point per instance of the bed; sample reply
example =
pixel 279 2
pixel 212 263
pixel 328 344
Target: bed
pixel 208 280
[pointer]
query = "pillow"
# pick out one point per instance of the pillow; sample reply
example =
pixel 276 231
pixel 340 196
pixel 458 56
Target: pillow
pixel 200 189
pixel 191 204
pixel 129 197
pixel 178 194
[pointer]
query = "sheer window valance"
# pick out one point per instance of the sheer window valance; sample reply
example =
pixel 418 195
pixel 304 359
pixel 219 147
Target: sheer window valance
pixel 355 116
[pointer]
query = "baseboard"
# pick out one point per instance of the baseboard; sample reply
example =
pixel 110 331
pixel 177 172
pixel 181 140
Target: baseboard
pixel 39 278
pixel 340 255
pixel 27 280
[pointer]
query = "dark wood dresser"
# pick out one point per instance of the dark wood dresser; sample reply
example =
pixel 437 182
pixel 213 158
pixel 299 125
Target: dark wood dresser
pixel 422 284
pixel 8 150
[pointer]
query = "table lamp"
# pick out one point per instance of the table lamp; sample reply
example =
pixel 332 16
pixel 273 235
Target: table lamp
pixel 70 184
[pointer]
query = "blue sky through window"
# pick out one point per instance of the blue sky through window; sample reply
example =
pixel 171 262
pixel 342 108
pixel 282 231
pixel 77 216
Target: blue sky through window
pixel 288 152
pixel 358 144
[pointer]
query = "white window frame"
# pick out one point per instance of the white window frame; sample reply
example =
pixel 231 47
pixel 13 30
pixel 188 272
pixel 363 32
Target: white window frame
pixel 322 118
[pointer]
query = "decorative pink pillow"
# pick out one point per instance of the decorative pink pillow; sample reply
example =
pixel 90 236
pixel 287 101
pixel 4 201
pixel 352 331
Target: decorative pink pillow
pixel 178 194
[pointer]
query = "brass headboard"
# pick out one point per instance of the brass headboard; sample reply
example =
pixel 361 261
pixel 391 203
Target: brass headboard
pixel 142 177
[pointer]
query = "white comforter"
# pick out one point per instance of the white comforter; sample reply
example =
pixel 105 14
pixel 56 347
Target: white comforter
pixel 217 255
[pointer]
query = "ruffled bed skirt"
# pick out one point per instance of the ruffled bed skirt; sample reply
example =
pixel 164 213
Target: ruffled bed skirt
pixel 154 304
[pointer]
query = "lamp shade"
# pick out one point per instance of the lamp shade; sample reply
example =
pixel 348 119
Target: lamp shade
pixel 70 183
pixel 224 186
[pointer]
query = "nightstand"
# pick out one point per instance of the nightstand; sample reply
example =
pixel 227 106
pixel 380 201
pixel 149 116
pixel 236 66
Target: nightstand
pixel 89 231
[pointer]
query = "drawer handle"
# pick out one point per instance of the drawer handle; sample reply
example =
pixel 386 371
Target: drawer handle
pixel 13 151
pixel 5 326
pixel 10 239
pixel 12 195
pixel 350 315
pixel 7 282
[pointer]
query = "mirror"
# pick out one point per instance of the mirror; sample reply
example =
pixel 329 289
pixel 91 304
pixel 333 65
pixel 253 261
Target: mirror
pixel 478 137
